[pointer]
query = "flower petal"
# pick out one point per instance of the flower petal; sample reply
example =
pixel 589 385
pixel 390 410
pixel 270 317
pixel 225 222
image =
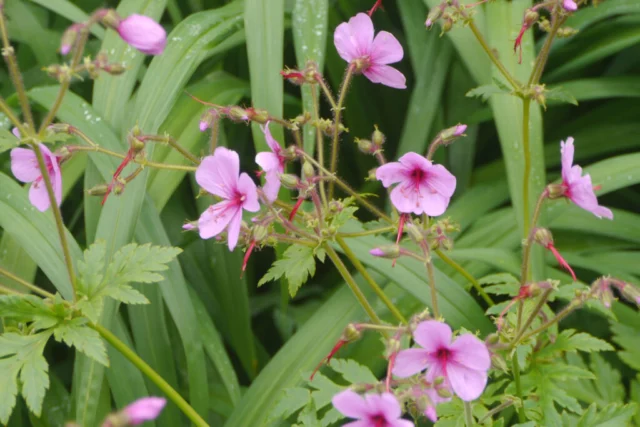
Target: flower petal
pixel 218 174
pixel 400 423
pixel 431 202
pixel 432 335
pixel 566 153
pixel 343 42
pixel 233 230
pixel 38 196
pixel 386 49
pixel 467 383
pixel 386 75
pixel 272 185
pixel 415 161
pixel 406 198
pixel 55 175
pixel 391 173
pixel 385 404
pixel 271 142
pixel 216 218
pixel 143 33
pixel 268 161
pixel 24 165
pixel 441 180
pixel 581 193
pixel 468 350
pixel 361 28
pixel 351 404
pixel 248 189
pixel 410 362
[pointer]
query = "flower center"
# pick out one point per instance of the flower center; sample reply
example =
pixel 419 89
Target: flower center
pixel 417 176
pixel 361 64
pixel 378 421
pixel 443 354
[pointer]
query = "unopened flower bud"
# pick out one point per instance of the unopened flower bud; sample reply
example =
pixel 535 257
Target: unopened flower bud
pixel 59 128
pixel 444 392
pixel 498 362
pixel 433 16
pixel 118 187
pixel 364 145
pixel 294 76
pixel 69 38
pixel 189 226
pixel 114 69
pixel 290 181
pixel 98 190
pixel 378 138
pixel 307 170
pixel 556 191
pixel 449 135
pixel 260 232
pixel 258 115
pixel 569 5
pixel 136 144
pixel 351 333
pixel 492 339
pixel 543 237
pixel 447 25
pixel 238 114
pixel 530 17
pixel 207 119
pixel 389 252
pixel 415 232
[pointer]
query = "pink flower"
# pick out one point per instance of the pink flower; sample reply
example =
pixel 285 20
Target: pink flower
pixel 433 399
pixel 143 33
pixel 220 175
pixel 145 409
pixel 462 363
pixel 355 44
pixel 372 410
pixel 423 187
pixel 576 187
pixel 24 165
pixel 272 163
pixel 569 5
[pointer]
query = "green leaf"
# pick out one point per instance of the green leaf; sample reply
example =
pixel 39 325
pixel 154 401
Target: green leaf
pixel 606 388
pixel 26 308
pixel 308 416
pixel 570 341
pixel 626 336
pixel 76 334
pixel 292 400
pixel 353 372
pixel 561 95
pixel 612 415
pixel 125 294
pixel 486 91
pixel 91 268
pixel 7 140
pixel 503 284
pixel 35 380
pixel 297 265
pixel 138 263
pixel 9 370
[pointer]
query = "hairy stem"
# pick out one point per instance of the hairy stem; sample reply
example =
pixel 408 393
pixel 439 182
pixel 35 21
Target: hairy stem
pixel 432 279
pixel 515 368
pixel 526 104
pixel 4 107
pixel 532 317
pixel 365 274
pixel 143 367
pixel 21 281
pixel 444 257
pixel 337 117
pixel 376 231
pixel 173 144
pixel 503 70
pixel 344 272
pixel 319 141
pixel 468 415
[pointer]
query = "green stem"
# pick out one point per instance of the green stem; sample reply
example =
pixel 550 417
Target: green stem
pixel 173 144
pixel 561 315
pixel 432 279
pixel 337 116
pixel 14 71
pixel 526 104
pixel 503 70
pixel 21 281
pixel 368 232
pixel 319 141
pixel 58 219
pixel 344 272
pixel 365 274
pixel 4 107
pixel 501 407
pixel 142 162
pixel 532 317
pixel 541 60
pixel 468 415
pixel 7 290
pixel 515 368
pixel 466 275
pixel 528 243
pixel 166 388
pixel 326 90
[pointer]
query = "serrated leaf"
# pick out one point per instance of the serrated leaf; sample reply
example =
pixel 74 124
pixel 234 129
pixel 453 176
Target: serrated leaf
pixel 486 91
pixel 138 263
pixel 626 336
pixel 297 264
pixel 35 381
pixel 293 399
pixel 9 369
pixel 502 284
pixel 308 416
pixel 353 372
pixel 7 140
pixel 91 268
pixel 561 95
pixel 612 415
pixel 324 390
pixel 125 294
pixel 570 341
pixel 343 216
pixel 76 334
pixel 27 308
pixel 91 308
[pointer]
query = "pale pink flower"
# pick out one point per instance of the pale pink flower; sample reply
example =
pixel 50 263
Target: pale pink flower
pixel 143 33
pixel 145 409
pixel 372 410
pixel 24 165
pixel 433 398
pixel 220 175
pixel 569 5
pixel 578 188
pixel 462 363
pixel 355 44
pixel 272 163
pixel 422 186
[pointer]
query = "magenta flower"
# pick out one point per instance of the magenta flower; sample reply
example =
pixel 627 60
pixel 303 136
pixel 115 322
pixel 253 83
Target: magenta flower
pixel 462 363
pixel 372 410
pixel 220 175
pixel 272 163
pixel 576 187
pixel 422 186
pixel 145 409
pixel 356 45
pixel 24 165
pixel 143 33
pixel 569 5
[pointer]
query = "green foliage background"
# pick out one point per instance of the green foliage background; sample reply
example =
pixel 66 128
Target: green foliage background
pixel 231 348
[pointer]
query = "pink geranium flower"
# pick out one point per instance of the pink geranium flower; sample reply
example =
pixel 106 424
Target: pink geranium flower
pixel 220 175
pixel 145 409
pixel 143 33
pixel 24 165
pixel 356 45
pixel 422 186
pixel 576 187
pixel 372 410
pixel 272 163
pixel 462 363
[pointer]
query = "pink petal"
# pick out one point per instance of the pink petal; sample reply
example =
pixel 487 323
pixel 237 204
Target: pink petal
pixel 361 28
pixel 24 165
pixel 386 49
pixel 441 180
pixel 271 142
pixel 268 161
pixel 247 188
pixel 470 351
pixel 233 230
pixel 569 5
pixel 430 413
pixel 350 404
pixel 16 132
pixel 216 218
pixel 39 196
pixel 432 335
pixel 385 404
pixel 410 362
pixel 145 409
pixel 386 75
pixel 391 173
pixel 467 383
pixel 400 423
pixel 581 193
pixel 143 33
pixel 218 174
pixel 414 160
pixel 566 153
pixel 56 179
pixel 272 185
pixel 406 198
pixel 359 423
pixel 431 203
pixel 343 42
